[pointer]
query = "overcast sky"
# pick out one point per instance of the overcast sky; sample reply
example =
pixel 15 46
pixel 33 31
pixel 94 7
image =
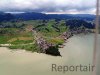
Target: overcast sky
pixel 49 6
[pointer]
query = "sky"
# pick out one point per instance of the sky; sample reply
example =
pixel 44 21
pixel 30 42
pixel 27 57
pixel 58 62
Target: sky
pixel 49 6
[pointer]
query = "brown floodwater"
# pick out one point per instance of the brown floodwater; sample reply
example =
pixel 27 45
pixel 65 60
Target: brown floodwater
pixel 78 50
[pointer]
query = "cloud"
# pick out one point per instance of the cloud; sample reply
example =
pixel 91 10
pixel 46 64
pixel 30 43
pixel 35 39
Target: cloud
pixel 71 6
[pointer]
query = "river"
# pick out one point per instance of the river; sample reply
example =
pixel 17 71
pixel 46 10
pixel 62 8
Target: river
pixel 78 50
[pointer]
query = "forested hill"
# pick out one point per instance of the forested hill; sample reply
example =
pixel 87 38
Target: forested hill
pixel 6 16
pixel 37 16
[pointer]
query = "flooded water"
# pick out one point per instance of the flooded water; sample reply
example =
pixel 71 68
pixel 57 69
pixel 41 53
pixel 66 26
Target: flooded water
pixel 78 50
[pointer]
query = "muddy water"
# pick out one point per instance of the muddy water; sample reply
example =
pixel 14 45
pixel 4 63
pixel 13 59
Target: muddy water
pixel 78 50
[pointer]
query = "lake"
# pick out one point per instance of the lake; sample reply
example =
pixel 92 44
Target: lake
pixel 78 50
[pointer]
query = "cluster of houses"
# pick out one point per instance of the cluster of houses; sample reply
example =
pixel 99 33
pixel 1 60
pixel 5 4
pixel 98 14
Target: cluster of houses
pixel 43 44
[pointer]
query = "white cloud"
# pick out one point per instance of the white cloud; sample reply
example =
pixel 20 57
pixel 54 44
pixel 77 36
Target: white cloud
pixel 71 6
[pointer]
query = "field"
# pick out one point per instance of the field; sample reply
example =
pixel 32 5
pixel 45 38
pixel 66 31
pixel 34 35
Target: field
pixel 20 35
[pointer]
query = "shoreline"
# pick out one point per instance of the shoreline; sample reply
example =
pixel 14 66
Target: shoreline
pixel 28 60
pixel 59 46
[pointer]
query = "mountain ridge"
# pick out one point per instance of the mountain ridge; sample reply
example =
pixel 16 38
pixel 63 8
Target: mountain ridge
pixel 36 16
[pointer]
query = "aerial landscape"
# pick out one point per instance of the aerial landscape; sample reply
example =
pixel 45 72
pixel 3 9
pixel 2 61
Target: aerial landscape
pixel 34 37
pixel 42 33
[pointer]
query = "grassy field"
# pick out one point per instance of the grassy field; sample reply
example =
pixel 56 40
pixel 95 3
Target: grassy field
pixel 20 34
pixel 28 47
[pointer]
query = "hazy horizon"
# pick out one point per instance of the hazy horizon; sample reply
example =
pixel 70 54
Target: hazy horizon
pixel 49 13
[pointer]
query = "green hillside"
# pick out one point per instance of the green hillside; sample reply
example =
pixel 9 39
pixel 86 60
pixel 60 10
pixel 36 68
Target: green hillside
pixel 20 35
